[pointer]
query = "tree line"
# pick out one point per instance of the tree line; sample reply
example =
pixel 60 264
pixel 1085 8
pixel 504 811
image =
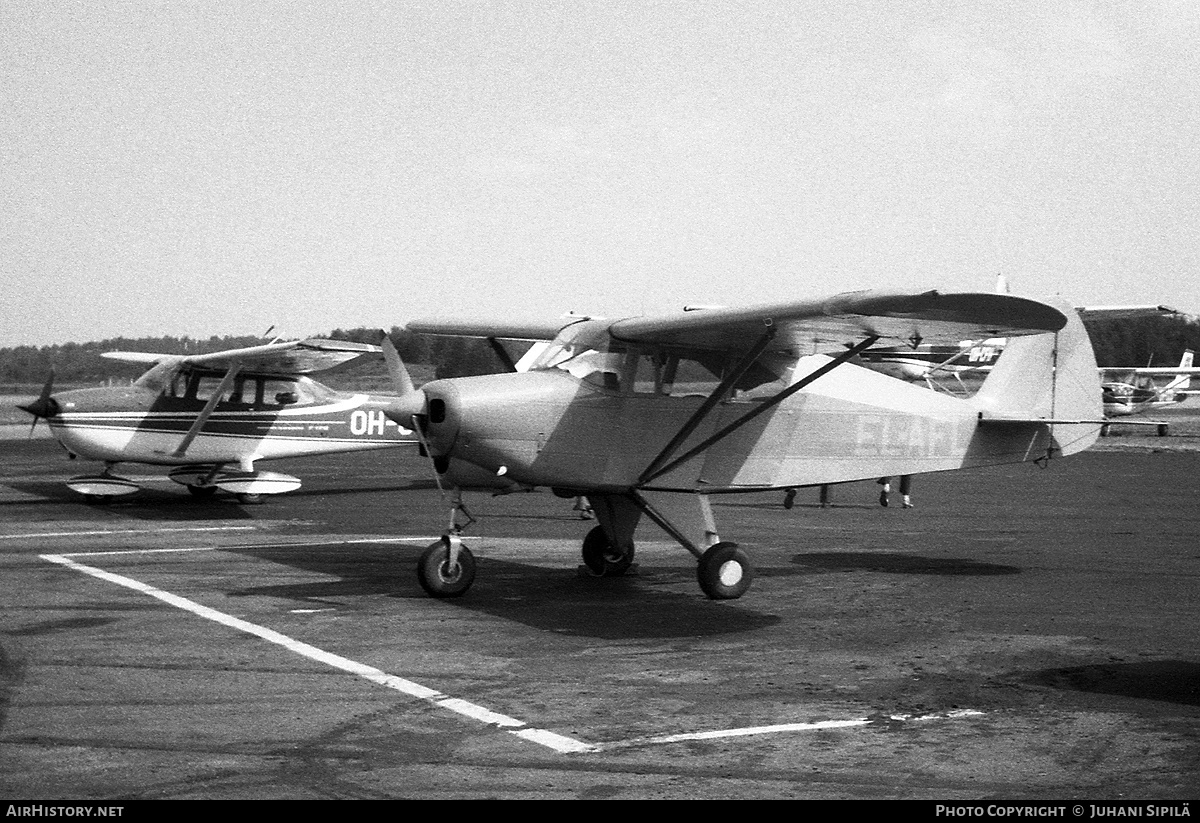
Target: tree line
pixel 1143 341
pixel 1157 341
pixel 81 363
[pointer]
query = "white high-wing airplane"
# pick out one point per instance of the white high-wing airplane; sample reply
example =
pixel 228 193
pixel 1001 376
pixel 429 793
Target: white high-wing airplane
pixel 650 416
pixel 1135 391
pixel 212 417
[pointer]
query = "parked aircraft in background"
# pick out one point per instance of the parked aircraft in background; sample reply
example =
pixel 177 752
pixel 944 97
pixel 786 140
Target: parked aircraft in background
pixel 650 416
pixel 212 417
pixel 1135 391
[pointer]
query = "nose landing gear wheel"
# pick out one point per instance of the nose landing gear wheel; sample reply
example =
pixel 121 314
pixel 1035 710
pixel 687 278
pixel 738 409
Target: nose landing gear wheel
pixel 602 558
pixel 442 576
pixel 725 572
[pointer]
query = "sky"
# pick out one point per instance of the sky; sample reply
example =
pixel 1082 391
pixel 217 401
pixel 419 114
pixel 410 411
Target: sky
pixel 200 168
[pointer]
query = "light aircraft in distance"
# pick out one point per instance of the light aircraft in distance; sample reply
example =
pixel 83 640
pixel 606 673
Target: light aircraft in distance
pixel 212 417
pixel 652 416
pixel 1133 391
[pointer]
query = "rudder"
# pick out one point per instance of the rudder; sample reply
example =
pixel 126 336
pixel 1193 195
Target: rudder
pixel 1049 378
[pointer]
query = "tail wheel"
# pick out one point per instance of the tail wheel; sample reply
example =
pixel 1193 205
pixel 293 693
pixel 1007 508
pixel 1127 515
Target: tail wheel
pixel 602 558
pixel 725 572
pixel 441 577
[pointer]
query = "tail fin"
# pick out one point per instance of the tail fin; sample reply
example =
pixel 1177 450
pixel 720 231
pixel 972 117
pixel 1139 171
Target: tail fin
pixel 1184 381
pixel 1048 378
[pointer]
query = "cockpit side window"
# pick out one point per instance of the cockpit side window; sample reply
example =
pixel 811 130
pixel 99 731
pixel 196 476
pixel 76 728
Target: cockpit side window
pixel 283 392
pixel 598 360
pixel 202 386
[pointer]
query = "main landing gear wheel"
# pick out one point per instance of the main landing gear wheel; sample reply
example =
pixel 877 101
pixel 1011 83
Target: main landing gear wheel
pixel 725 572
pixel 250 499
pixel 602 558
pixel 438 576
pixel 203 492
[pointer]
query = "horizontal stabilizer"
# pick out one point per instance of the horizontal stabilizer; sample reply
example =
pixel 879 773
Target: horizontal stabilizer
pixel 1001 420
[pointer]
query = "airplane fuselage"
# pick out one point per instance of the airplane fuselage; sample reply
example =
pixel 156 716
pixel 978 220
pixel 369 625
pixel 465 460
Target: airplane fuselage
pixel 1124 399
pixel 142 425
pixel 548 427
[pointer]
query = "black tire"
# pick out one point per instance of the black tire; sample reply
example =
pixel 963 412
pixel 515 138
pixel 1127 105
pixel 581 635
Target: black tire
pixel 1104 430
pixel 250 499
pixel 435 575
pixel 1164 429
pixel 725 572
pixel 602 558
pixel 98 499
pixel 203 492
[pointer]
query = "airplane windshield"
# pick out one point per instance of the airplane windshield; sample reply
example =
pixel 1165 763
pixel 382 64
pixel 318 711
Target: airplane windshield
pixel 157 377
pixel 579 359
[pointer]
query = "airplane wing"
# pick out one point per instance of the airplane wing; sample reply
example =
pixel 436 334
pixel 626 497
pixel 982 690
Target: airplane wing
pixel 503 330
pixel 911 318
pixel 1122 312
pixel 1129 374
pixel 1116 372
pixel 294 357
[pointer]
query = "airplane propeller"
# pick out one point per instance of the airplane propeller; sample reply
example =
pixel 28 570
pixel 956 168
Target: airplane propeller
pixel 411 401
pixel 45 406
pixel 409 410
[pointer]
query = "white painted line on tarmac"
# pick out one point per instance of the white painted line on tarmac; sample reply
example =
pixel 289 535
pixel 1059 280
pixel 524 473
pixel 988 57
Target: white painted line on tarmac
pixel 115 552
pixel 296 544
pixel 557 742
pixel 103 532
pixel 781 728
pixel 232 547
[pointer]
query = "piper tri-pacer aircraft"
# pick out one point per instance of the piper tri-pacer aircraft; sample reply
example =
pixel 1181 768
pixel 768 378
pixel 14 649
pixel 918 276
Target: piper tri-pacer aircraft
pixel 213 416
pixel 651 416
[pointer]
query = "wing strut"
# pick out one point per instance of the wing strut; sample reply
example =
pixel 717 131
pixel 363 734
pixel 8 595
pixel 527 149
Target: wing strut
pixel 712 400
pixel 674 531
pixel 207 411
pixel 502 354
pixel 770 403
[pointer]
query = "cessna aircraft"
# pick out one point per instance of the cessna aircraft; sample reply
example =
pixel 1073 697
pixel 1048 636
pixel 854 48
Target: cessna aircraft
pixel 1133 391
pixel 650 416
pixel 213 416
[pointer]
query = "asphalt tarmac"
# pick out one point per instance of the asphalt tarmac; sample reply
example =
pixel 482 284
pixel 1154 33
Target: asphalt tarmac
pixel 1022 633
